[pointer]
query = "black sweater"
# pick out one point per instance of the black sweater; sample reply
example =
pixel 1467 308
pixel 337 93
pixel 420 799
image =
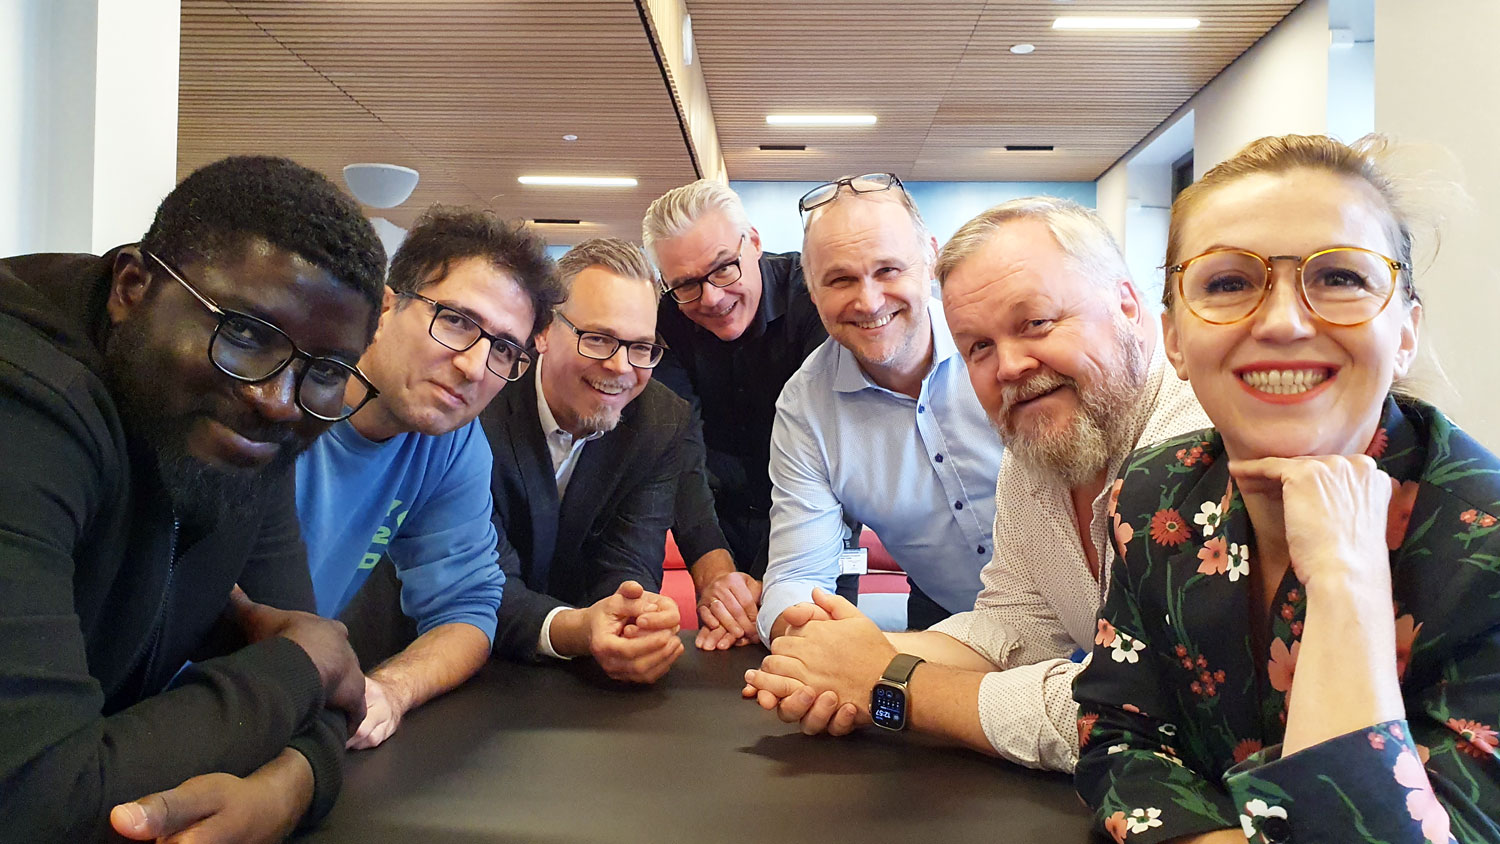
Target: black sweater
pixel 103 598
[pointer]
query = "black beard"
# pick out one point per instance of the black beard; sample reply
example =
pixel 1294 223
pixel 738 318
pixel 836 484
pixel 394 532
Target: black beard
pixel 201 495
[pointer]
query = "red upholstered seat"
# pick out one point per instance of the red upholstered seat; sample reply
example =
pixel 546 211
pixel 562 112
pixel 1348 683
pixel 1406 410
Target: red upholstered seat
pixel 885 576
pixel 677 584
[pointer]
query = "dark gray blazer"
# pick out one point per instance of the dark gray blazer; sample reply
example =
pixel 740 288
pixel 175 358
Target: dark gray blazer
pixel 611 525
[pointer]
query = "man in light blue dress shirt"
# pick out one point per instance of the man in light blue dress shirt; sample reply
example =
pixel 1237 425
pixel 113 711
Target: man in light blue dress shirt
pixel 881 425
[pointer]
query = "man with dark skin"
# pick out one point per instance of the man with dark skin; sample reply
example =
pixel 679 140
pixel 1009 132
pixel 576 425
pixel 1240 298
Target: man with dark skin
pixel 153 402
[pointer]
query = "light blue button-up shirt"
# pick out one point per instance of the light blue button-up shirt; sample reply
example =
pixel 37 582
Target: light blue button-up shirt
pixel 919 472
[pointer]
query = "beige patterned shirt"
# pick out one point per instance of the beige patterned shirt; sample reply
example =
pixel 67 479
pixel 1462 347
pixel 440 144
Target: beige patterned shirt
pixel 1039 601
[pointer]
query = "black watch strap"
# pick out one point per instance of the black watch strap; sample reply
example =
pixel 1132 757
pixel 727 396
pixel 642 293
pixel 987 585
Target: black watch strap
pixel 901 667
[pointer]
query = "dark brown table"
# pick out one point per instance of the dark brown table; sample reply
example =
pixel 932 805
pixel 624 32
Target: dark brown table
pixel 559 753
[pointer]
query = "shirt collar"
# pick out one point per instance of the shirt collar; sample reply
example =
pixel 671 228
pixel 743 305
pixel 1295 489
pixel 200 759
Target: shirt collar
pixel 849 378
pixel 544 411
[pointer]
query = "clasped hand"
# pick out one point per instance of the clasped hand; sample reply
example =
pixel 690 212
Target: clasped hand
pixel 633 634
pixel 820 672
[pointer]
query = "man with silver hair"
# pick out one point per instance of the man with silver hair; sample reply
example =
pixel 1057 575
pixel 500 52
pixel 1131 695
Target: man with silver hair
pixel 880 426
pixel 738 323
pixel 1066 358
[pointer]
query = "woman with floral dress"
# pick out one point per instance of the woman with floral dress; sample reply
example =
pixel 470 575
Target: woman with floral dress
pixel 1327 537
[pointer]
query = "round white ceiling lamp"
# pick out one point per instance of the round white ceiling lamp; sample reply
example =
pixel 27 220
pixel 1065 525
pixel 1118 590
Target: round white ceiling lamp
pixel 380 185
pixel 570 137
pixel 1023 49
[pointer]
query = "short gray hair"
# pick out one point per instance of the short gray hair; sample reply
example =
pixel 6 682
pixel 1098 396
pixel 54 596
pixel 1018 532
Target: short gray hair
pixel 1083 236
pixel 620 257
pixel 919 226
pixel 679 209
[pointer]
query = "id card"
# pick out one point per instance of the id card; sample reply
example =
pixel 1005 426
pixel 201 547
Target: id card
pixel 854 561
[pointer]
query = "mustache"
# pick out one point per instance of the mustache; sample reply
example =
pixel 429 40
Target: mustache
pixel 248 426
pixel 1037 385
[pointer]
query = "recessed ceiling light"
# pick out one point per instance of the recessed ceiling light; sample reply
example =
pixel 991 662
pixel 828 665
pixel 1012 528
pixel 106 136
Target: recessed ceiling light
pixel 1023 49
pixel 1086 22
pixel 783 147
pixel 1028 148
pixel 570 137
pixel 820 119
pixel 555 221
pixel 578 181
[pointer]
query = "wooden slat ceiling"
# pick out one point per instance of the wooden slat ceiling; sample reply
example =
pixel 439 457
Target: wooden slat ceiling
pixel 471 93
pixel 948 92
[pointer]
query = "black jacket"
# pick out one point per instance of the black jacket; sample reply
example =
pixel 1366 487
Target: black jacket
pixel 611 525
pixel 103 598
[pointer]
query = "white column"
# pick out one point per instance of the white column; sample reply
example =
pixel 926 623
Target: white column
pixel 88 120
pixel 1435 86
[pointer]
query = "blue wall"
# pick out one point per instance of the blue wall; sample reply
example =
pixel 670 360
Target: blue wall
pixel 772 206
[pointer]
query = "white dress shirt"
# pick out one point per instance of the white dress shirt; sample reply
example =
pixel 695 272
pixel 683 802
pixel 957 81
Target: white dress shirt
pixel 564 449
pixel 1040 600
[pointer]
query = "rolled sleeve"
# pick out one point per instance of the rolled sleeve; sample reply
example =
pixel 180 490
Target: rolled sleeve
pixel 1029 715
pixel 807 520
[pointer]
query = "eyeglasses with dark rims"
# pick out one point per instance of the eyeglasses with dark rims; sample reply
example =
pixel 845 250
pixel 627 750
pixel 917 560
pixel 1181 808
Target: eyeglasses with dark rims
pixel 458 331
pixel 599 346
pixel 250 349
pixel 829 191
pixel 691 290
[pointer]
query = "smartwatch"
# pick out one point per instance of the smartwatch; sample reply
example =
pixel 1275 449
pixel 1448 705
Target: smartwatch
pixel 888 700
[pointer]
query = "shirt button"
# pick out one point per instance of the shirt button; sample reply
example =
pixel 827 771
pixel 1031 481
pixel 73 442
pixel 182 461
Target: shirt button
pixel 1276 830
pixel 938 458
pixel 981 549
pixel 921 408
pixel 958 505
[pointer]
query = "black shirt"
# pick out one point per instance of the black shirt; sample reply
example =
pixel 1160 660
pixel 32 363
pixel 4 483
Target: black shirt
pixel 734 385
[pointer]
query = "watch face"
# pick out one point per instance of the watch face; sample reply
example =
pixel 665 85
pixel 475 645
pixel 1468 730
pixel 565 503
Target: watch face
pixel 888 706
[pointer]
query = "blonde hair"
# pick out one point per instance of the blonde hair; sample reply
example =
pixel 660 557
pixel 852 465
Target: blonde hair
pixel 620 257
pixel 1285 153
pixel 1082 235
pixel 679 209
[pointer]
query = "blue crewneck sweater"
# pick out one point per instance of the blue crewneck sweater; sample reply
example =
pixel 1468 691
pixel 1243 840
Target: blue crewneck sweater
pixel 424 501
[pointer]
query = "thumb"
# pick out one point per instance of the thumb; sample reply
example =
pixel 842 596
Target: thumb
pixel 630 590
pixel 838 608
pixel 165 812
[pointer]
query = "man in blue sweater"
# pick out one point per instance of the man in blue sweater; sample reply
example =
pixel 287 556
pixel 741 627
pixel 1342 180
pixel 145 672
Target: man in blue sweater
pixel 408 475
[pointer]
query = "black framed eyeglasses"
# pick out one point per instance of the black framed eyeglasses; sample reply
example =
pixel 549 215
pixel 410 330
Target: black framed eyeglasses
pixel 250 349
pixel 592 344
pixel 829 191
pixel 725 274
pixel 1342 285
pixel 458 331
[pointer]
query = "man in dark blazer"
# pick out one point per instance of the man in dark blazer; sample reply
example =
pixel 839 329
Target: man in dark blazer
pixel 587 457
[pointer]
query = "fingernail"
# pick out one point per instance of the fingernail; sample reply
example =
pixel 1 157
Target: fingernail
pixel 804 695
pixel 135 814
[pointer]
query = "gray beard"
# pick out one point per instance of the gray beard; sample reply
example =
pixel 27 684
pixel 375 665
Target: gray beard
pixel 1080 451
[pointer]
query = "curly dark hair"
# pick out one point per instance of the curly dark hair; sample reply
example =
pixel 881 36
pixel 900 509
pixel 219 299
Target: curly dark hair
pixel 447 234
pixel 214 210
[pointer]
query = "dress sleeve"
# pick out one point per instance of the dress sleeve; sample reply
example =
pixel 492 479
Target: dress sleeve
pixel 807 520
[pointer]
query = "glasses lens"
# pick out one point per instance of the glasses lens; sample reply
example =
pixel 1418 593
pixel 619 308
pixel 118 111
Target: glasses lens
pixel 508 360
pixel 327 386
pixel 597 346
pixel 1347 286
pixel 688 291
pixel 248 348
pixel 453 329
pixel 870 182
pixel 818 195
pixel 1223 286
pixel 725 275
pixel 644 355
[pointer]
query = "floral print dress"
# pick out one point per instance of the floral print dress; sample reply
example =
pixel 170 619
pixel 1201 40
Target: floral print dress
pixel 1181 719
